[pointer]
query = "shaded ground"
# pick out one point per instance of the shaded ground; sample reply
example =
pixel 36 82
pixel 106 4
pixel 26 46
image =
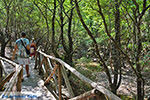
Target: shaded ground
pixel 128 83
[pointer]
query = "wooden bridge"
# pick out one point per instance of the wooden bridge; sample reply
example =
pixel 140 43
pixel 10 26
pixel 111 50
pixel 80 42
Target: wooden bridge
pixel 51 88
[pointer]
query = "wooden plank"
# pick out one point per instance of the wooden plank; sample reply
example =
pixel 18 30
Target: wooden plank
pixel 93 94
pixel 1 71
pixel 54 96
pixel 43 67
pixel 52 91
pixel 12 81
pixel 54 70
pixel 9 61
pixel 50 65
pixel 19 81
pixel 67 81
pixel 8 77
pixel 46 67
pixel 39 63
pixel 83 78
pixel 3 67
pixel 36 61
pixel 85 95
pixel 59 83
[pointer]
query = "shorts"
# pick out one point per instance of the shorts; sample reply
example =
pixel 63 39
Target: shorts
pixel 23 61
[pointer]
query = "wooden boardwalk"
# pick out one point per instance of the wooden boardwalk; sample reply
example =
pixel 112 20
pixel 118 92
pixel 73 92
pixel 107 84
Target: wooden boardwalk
pixel 54 71
pixel 32 87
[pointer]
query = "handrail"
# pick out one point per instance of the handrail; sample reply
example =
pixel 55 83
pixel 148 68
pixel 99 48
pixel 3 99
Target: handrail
pixel 15 79
pixel 8 61
pixel 82 77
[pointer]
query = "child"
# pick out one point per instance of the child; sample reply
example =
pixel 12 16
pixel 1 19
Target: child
pixel 32 48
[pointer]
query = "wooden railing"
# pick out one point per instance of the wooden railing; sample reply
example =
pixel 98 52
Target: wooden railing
pixel 14 78
pixel 54 70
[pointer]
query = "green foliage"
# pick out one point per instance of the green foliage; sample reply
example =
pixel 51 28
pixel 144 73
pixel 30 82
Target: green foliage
pixel 126 97
pixel 84 60
pixel 94 67
pixel 146 60
pixel 102 38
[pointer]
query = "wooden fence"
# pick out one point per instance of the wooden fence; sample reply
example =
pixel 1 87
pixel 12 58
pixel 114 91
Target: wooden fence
pixel 14 78
pixel 54 71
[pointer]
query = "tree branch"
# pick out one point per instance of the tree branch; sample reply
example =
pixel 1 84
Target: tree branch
pixel 96 45
pixel 137 6
pixel 143 12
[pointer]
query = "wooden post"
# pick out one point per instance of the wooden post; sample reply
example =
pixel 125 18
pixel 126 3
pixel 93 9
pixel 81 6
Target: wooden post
pixel 103 90
pixel 51 75
pixel 59 81
pixel 85 96
pixel 46 67
pixel 39 63
pixel 12 81
pixel 36 62
pixel 3 67
pixel 92 94
pixel 64 73
pixel 1 71
pixel 41 66
pixel 6 79
pixel 19 80
pixel 51 67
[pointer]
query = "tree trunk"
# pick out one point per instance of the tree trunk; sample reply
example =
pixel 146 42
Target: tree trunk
pixel 140 80
pixel 54 48
pixel 62 27
pixel 3 46
pixel 101 60
pixel 115 53
pixel 70 50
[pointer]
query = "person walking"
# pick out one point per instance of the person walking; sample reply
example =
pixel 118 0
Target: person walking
pixel 32 48
pixel 22 57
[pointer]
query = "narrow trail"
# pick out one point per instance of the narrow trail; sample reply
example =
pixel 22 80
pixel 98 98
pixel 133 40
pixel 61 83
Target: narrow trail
pixel 32 87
